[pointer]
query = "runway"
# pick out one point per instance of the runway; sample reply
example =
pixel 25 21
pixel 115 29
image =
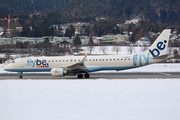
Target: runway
pixel 117 75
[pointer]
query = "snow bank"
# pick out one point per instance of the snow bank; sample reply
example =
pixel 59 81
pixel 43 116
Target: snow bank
pixel 100 99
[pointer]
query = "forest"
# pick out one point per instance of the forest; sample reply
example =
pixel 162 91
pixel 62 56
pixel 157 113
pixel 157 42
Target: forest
pixel 63 11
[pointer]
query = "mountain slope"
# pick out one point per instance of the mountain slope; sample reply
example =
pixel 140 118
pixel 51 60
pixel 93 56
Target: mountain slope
pixel 164 11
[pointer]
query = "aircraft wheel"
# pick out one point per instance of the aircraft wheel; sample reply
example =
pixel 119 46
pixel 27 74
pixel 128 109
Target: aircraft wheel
pixel 80 76
pixel 86 75
pixel 20 76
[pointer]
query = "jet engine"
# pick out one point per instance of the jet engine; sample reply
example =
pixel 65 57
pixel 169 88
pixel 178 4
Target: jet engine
pixel 58 72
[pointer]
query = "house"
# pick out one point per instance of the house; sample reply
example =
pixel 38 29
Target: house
pixel 65 46
pixel 108 39
pixel 5 41
pixel 96 40
pixel 143 41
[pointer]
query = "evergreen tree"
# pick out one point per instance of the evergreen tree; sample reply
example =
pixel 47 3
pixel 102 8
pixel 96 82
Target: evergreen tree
pixel 70 31
pixel 90 43
pixel 77 41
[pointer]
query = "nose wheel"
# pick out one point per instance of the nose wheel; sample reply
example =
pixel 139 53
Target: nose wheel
pixel 20 75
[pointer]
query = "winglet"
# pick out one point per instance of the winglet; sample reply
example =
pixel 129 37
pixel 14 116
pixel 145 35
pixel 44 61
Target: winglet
pixel 83 60
pixel 78 66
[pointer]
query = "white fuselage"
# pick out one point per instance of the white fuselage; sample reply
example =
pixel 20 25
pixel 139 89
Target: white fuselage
pixel 92 63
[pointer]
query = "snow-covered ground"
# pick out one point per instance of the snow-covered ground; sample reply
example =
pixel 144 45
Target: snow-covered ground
pixel 93 99
pixel 100 99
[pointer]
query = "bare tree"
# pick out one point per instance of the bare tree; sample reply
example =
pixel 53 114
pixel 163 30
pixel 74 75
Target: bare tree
pixel 90 49
pixel 144 48
pixel 170 50
pixel 103 49
pixel 116 48
pixel 130 49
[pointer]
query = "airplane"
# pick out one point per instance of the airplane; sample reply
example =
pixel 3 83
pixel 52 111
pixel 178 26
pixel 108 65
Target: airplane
pixel 82 65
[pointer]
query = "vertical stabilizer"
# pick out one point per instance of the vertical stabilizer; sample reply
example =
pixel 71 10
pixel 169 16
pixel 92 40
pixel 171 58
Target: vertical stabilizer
pixel 160 45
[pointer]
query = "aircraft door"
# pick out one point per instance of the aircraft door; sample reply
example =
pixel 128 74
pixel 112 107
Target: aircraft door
pixel 22 62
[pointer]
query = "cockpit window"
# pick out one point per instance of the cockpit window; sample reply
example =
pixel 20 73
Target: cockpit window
pixel 10 61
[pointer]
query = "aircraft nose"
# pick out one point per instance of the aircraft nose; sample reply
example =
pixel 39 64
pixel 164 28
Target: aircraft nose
pixel 7 67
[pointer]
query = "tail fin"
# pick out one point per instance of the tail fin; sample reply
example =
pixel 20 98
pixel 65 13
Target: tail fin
pixel 160 45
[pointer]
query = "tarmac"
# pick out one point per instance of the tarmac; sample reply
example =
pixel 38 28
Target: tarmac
pixel 116 75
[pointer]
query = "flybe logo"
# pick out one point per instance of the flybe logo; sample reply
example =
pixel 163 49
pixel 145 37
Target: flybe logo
pixel 37 63
pixel 160 46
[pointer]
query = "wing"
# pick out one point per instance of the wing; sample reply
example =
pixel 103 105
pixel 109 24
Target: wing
pixel 78 67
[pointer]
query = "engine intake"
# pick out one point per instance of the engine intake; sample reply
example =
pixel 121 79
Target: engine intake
pixel 58 72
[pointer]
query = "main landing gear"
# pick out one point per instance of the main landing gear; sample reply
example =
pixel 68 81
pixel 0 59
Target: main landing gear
pixel 85 75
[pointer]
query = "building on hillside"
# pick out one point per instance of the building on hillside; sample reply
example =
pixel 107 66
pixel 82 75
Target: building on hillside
pixel 96 40
pixel 30 40
pixel 108 39
pixel 84 40
pixel 78 26
pixel 4 41
pixel 134 21
pixel 34 40
pixel 1 31
pixel 57 40
pixel 117 39
pixel 121 39
pixel 19 39
pixel 65 46
pixel 143 41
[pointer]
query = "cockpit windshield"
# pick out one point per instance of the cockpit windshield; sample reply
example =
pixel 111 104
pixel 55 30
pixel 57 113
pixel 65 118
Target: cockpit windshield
pixel 10 61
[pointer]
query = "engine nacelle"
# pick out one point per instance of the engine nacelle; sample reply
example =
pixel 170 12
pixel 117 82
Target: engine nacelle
pixel 58 72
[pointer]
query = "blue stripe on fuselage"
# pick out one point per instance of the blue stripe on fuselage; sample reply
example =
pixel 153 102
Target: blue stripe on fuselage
pixel 90 69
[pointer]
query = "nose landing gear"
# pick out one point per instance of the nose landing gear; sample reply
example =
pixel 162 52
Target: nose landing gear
pixel 20 75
